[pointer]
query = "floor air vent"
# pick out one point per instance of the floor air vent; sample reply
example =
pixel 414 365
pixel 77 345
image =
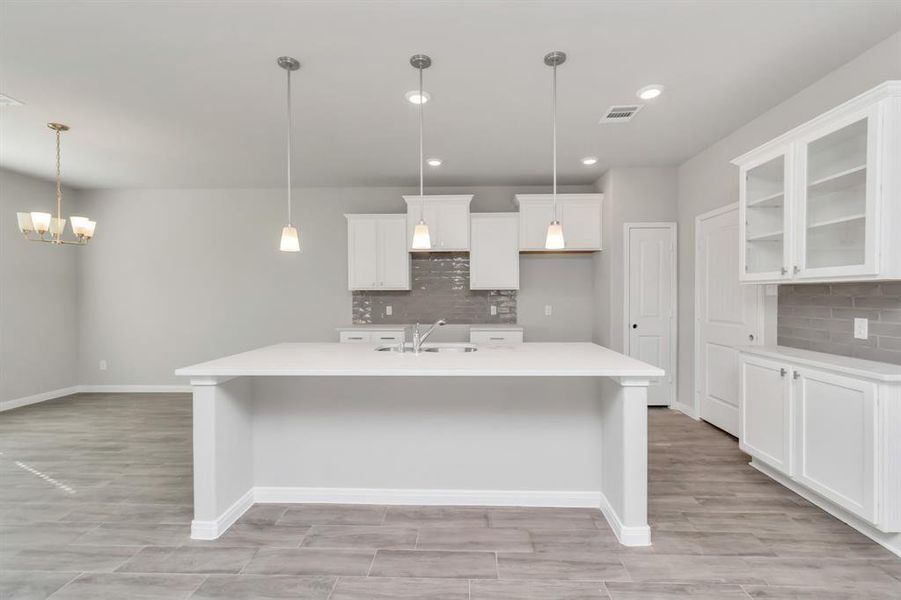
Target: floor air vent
pixel 620 114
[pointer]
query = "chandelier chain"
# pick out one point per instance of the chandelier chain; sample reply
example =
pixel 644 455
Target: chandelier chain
pixel 59 190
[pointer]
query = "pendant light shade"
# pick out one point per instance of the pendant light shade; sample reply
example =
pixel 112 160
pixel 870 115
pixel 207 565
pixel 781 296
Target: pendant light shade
pixel 422 239
pixel 290 239
pixel 554 239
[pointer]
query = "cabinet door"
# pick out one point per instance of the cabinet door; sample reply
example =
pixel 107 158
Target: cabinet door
pixel 765 415
pixel 581 220
pixel 453 231
pixel 838 195
pixel 362 256
pixel 766 242
pixel 534 218
pixel 392 256
pixel 836 439
pixel 494 255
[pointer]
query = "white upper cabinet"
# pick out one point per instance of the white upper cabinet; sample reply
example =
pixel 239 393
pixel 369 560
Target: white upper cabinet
pixel 579 214
pixel 494 255
pixel 377 257
pixel 447 218
pixel 823 201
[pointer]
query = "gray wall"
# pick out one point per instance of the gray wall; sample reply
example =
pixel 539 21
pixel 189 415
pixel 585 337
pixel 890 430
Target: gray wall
pixel 631 195
pixel 180 276
pixel 821 317
pixel 38 291
pixel 708 180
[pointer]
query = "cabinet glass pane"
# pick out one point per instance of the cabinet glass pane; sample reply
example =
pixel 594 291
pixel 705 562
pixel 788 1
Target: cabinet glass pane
pixel 765 225
pixel 836 198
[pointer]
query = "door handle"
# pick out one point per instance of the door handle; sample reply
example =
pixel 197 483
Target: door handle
pixel 751 336
pixel 634 325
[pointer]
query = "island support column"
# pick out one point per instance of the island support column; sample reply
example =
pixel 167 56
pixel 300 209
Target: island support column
pixel 223 454
pixel 624 474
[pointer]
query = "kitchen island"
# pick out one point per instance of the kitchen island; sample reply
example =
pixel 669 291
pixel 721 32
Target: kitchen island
pixel 534 424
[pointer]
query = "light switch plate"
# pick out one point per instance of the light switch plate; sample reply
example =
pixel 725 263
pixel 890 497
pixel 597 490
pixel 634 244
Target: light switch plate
pixel 388 310
pixel 493 310
pixel 102 365
pixel 861 329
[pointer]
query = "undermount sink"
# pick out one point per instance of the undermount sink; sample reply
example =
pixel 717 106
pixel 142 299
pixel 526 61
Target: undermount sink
pixel 408 348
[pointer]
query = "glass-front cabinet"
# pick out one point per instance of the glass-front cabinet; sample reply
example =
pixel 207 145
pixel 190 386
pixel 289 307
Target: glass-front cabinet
pixel 837 201
pixel 823 201
pixel 766 218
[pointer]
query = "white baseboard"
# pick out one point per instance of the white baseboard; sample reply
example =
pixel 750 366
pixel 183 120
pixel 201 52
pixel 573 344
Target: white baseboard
pixel 134 389
pixel 627 535
pixel 94 389
pixel 35 398
pixel 211 530
pixel 300 495
pixel 889 541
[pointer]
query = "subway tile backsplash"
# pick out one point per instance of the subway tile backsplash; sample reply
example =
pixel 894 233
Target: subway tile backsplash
pixel 821 317
pixel 440 289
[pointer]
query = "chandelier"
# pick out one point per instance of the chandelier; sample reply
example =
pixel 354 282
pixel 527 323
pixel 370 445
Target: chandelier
pixel 44 227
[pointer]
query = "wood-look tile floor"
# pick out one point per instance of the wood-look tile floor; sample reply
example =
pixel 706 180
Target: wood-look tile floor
pixel 95 502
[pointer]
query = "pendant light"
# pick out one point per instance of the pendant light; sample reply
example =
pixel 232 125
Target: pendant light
pixel 290 240
pixel 36 225
pixel 554 240
pixel 421 238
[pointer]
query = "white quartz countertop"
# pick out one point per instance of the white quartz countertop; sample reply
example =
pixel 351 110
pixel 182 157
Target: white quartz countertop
pixel 578 359
pixel 868 369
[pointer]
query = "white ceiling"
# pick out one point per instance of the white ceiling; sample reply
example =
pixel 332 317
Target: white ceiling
pixel 187 94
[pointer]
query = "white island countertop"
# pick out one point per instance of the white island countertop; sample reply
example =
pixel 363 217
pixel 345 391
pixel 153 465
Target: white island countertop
pixel 570 359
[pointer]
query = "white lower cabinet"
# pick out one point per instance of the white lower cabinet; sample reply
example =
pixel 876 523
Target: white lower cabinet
pixel 831 424
pixel 377 257
pixel 765 422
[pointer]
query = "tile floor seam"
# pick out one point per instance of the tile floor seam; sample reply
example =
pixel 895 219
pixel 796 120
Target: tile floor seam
pixel 64 585
pixel 372 562
pixel 194 591
pixel 334 587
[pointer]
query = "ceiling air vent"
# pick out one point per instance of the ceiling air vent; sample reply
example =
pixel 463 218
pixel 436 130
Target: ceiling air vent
pixel 620 114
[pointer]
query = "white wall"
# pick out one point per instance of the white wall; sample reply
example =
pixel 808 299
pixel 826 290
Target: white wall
pixel 708 180
pixel 181 276
pixel 631 195
pixel 38 283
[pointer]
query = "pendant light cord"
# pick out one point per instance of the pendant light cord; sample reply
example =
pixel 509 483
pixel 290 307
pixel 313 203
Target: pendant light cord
pixel 59 193
pixel 555 142
pixel 290 143
pixel 421 187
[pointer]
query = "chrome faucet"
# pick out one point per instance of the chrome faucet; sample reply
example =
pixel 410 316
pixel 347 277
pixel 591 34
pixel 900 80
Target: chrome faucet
pixel 419 337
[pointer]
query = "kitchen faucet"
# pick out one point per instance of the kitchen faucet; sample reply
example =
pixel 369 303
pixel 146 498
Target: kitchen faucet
pixel 419 338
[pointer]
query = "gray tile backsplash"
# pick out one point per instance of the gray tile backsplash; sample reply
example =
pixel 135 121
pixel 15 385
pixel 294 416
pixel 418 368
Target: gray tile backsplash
pixel 440 289
pixel 821 317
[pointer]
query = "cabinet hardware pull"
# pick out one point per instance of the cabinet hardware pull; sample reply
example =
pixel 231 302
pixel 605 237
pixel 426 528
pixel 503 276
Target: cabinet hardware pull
pixel 797 269
pixel 496 338
pixel 634 325
pixel 784 270
pixel 783 372
pixel 796 374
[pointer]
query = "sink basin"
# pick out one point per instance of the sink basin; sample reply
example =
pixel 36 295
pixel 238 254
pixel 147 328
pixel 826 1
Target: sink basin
pixel 430 348
pixel 455 348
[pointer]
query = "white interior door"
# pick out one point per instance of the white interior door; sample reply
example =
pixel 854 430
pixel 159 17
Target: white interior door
pixel 727 315
pixel 650 302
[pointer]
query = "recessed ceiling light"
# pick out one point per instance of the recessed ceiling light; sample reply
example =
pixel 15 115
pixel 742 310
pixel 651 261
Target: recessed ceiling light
pixel 433 162
pixel 413 97
pixel 649 92
pixel 8 101
pixel 590 160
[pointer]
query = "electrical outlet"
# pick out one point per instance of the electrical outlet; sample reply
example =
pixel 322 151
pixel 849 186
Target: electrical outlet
pixel 493 310
pixel 548 310
pixel 103 365
pixel 861 329
pixel 388 310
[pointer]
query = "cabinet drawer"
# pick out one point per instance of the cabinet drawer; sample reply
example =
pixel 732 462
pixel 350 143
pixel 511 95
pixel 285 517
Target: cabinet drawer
pixel 495 337
pixel 351 337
